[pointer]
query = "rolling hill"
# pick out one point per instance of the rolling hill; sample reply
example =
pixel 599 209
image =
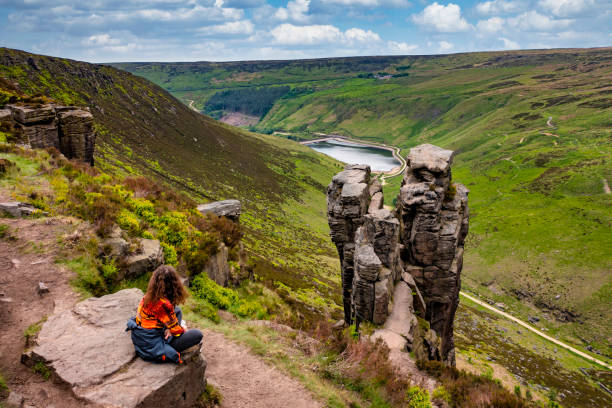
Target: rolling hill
pixel 142 129
pixel 532 133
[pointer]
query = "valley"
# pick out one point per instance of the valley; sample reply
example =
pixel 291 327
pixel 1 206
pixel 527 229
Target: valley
pixel 531 131
pixel 537 200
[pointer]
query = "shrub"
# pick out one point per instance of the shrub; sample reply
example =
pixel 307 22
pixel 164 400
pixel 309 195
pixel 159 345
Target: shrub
pixel 43 370
pixel 210 398
pixel 417 398
pixel 441 394
pixel 198 252
pixel 4 390
pixel 471 390
pixel 128 221
pixel 170 256
pixel 205 289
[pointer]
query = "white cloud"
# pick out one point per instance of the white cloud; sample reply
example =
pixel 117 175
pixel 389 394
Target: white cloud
pixel 100 40
pixel 499 7
pixel 509 44
pixel 359 35
pixel 565 8
pixel 289 34
pixel 370 3
pixel 401 47
pixel 445 46
pixel 231 27
pixel 444 19
pixel 534 21
pixel 296 10
pixel 492 25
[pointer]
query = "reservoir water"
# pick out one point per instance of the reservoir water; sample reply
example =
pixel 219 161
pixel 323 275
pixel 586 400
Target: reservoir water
pixel 378 159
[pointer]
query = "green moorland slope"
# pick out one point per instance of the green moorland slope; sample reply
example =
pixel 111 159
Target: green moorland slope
pixel 144 130
pixel 533 140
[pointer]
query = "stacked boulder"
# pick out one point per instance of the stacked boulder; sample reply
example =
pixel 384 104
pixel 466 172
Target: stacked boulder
pixel 66 128
pixel 397 265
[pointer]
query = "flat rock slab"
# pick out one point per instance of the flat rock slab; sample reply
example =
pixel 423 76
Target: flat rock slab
pixel 17 209
pixel 227 208
pixel 88 349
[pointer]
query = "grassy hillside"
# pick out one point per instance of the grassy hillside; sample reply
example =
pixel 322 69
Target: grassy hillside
pixel 532 132
pixel 144 130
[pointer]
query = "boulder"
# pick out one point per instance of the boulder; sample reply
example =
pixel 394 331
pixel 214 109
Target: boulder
pixel 217 267
pixel 114 247
pixel 228 208
pixel 14 400
pixel 393 340
pixel 88 350
pixel 42 288
pixel 149 257
pixel 17 209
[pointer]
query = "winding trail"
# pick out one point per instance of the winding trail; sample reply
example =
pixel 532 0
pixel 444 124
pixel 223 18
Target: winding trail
pixel 245 381
pixel 536 331
pixel 606 186
pixel 191 105
pixel 549 122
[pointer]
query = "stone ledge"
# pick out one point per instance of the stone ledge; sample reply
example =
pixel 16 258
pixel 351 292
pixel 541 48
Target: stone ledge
pixel 88 350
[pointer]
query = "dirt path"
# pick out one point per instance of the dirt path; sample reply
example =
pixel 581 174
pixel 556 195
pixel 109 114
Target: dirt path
pixel 536 331
pixel 244 380
pixel 27 255
pixel 606 187
pixel 191 105
pixel 549 122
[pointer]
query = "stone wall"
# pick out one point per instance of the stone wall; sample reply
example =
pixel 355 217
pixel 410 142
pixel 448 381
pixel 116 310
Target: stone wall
pixel 66 128
pixel 419 246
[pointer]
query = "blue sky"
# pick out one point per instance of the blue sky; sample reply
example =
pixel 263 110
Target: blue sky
pixel 224 30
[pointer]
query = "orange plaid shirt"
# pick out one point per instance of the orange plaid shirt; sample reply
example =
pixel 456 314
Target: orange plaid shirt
pixel 159 315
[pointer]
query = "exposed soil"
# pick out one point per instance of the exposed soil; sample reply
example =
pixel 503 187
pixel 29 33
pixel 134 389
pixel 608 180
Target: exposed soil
pixel 239 119
pixel 27 256
pixel 246 381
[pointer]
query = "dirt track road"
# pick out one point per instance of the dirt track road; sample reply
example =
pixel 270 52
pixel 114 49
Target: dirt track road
pixel 536 331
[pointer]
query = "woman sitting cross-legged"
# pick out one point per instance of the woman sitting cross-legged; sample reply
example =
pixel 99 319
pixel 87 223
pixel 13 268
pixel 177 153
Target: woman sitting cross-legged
pixel 157 333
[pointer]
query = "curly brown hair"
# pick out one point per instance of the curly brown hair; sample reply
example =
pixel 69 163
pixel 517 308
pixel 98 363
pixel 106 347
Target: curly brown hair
pixel 165 283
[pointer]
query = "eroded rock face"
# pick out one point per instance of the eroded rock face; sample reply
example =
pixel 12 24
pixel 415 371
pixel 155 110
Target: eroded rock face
pixel 87 349
pixel 400 264
pixel 66 128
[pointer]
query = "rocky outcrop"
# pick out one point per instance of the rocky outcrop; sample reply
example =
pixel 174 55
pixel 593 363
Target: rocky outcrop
pixel 217 268
pixel 67 128
pixel 397 265
pixel 228 208
pixel 88 350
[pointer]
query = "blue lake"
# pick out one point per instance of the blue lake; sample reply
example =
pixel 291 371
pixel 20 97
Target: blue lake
pixel 378 159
